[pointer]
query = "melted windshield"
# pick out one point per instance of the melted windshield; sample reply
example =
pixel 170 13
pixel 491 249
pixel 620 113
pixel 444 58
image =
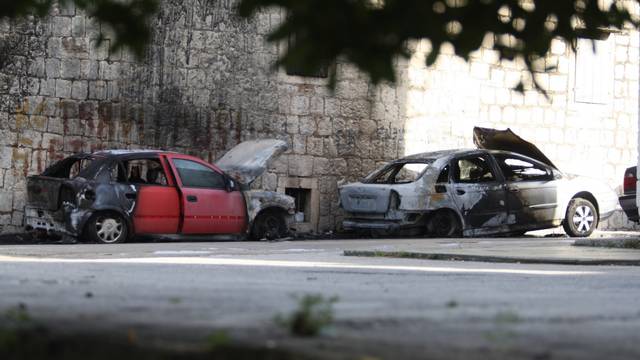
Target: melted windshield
pixel 398 173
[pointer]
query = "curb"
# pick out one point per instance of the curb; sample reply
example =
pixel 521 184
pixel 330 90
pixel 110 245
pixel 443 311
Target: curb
pixel 616 243
pixel 487 258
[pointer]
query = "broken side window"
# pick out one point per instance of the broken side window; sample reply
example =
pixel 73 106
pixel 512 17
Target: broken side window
pixel 197 175
pixel 516 168
pixel 473 170
pixel 444 175
pixel 141 171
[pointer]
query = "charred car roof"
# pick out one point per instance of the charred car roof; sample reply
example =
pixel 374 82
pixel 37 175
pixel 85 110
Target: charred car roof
pixel 430 157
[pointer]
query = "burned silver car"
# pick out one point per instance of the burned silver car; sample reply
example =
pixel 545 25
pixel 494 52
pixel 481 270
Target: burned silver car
pixel 506 186
pixel 109 196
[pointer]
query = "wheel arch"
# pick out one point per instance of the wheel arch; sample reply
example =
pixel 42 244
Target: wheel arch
pixel 587 196
pixel 267 210
pixel 457 215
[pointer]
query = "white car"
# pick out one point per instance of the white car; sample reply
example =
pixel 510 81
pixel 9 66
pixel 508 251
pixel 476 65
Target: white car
pixel 506 186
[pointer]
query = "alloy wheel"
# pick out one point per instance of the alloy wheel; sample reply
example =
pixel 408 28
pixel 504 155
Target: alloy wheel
pixel 109 229
pixel 583 218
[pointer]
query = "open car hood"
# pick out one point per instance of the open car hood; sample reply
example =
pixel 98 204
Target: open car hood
pixel 507 140
pixel 249 159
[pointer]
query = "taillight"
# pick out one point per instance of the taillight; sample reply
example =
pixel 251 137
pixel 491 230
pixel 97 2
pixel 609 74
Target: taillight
pixel 629 183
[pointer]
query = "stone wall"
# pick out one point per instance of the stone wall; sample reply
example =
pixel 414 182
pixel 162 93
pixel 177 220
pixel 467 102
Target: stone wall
pixel 207 83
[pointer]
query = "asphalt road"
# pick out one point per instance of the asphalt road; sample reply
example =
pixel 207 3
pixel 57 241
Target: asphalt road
pixel 387 308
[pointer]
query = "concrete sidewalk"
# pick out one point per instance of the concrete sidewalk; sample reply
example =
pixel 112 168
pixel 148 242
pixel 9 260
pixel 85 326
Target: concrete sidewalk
pixel 540 250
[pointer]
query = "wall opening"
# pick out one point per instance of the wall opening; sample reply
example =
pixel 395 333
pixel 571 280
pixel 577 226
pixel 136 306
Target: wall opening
pixel 302 198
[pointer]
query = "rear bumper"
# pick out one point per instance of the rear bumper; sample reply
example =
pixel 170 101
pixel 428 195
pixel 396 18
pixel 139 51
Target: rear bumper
pixel 628 204
pixel 53 221
pixel 40 219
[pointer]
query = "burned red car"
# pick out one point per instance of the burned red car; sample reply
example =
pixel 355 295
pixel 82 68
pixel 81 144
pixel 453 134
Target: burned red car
pixel 110 196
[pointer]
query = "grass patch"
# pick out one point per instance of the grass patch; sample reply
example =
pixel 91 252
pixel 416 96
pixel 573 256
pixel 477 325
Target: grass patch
pixel 313 314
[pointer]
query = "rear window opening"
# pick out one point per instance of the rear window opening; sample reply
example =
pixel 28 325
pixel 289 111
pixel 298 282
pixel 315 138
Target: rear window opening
pixel 74 166
pixel 398 173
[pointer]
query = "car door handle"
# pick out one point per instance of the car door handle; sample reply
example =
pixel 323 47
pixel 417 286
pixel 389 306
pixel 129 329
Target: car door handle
pixel 192 198
pixel 131 196
pixel 460 192
pixel 513 189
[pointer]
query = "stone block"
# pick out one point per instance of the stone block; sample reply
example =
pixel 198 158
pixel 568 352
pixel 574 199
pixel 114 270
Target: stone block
pixel 6 201
pixel 63 88
pixel 6 156
pixel 52 68
pixel 307 125
pixel 89 69
pixel 17 219
pixel 299 144
pixel 323 126
pixel 61 26
pixel 70 69
pixel 47 87
pixel 300 105
pixel 320 166
pixel 97 90
pixel 79 90
pixel 301 165
pixel 315 146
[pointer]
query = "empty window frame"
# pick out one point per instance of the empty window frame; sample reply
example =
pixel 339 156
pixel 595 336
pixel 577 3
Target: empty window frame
pixel 473 170
pixel 302 199
pixel 594 64
pixel 515 168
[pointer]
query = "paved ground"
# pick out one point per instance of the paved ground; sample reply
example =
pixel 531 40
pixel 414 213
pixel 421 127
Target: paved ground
pixel 388 308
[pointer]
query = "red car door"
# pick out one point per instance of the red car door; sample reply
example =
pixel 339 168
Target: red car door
pixel 157 202
pixel 208 206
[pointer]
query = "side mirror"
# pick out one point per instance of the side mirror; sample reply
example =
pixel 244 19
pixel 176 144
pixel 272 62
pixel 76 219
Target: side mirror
pixel 231 185
pixel 441 189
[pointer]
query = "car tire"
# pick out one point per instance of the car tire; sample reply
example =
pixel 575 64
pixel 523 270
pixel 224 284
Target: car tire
pixel 581 218
pixel 269 225
pixel 443 223
pixel 106 228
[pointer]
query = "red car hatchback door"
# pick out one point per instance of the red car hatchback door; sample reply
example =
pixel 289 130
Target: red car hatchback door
pixel 208 207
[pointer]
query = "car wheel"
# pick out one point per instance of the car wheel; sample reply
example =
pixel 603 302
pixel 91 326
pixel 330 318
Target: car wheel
pixel 581 218
pixel 106 228
pixel 269 225
pixel 443 224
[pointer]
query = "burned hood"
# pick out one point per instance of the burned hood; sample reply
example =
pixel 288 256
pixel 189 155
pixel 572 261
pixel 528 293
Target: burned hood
pixel 507 140
pixel 249 159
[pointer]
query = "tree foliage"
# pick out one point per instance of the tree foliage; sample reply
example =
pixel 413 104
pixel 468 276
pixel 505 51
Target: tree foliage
pixel 372 33
pixel 128 21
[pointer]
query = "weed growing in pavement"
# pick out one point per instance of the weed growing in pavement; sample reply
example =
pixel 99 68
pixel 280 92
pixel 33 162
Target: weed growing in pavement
pixel 314 313
pixel 218 339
